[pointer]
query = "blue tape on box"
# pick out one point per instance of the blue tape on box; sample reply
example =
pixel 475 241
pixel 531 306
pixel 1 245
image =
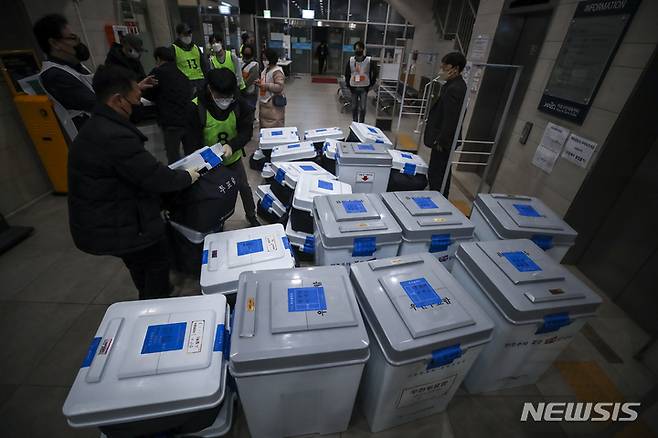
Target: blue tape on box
pixel 267 201
pixel 526 210
pixel 286 242
pixel 364 246
pixel 521 261
pixel 204 257
pixel 277 132
pixel 407 156
pixel 379 140
pixel 306 299
pixel 211 158
pixel 309 245
pixel 424 202
pixel 372 129
pixel 91 352
pixel 543 241
pixel 354 206
pixel 420 292
pixel 164 337
pixel 554 322
pixel 444 356
pixel 365 147
pixel 250 246
pixel 440 242
pixel 219 338
pixel 320 129
pixel 326 185
pixel 409 169
pixel 308 168
pixel 292 146
pixel 279 176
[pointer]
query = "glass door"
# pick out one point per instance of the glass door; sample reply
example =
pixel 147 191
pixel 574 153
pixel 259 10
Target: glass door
pixel 301 48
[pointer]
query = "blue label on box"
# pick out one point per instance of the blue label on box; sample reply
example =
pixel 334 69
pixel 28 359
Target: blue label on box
pixel 379 140
pixel 440 242
pixel 365 147
pixel 164 337
pixel 279 176
pixel 204 257
pixel 211 158
pixel 554 322
pixel 286 242
pixel 409 169
pixel 364 246
pixel 420 292
pixel 277 132
pixel 372 129
pixel 408 156
pixel 320 129
pixel 444 356
pixel 91 352
pixel 306 299
pixel 354 206
pixel 521 261
pixel 308 168
pixel 250 246
pixel 309 245
pixel 424 202
pixel 267 201
pixel 219 338
pixel 543 241
pixel 292 146
pixel 326 185
pixel 526 210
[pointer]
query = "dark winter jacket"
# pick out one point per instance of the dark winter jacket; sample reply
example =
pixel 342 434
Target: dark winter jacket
pixel 444 115
pixel 115 186
pixel 172 96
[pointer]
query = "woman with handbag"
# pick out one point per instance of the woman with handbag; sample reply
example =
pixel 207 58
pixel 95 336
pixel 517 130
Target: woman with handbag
pixel 272 101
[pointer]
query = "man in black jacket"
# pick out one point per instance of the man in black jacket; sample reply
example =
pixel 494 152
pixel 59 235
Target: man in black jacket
pixel 173 100
pixel 127 55
pixel 443 119
pixel 115 186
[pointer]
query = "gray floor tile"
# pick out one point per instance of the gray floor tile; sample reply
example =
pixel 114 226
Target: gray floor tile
pixel 29 332
pixel 36 411
pixel 119 288
pixel 17 272
pixel 60 366
pixel 435 426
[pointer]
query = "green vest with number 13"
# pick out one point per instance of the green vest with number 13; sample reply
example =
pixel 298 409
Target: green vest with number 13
pixel 189 62
pixel 220 131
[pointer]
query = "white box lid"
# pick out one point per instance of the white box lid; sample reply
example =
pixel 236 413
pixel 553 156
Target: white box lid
pixel 303 150
pixel 287 173
pixel 269 201
pixel 330 147
pixel 310 186
pixel 270 137
pixel 207 157
pixel 408 163
pixel 369 134
pixel 150 359
pixel 320 134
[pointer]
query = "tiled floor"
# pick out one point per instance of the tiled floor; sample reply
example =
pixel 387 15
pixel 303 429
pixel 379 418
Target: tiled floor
pixel 52 298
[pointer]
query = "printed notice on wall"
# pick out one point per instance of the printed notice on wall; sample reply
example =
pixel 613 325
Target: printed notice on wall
pixel 579 150
pixel 550 147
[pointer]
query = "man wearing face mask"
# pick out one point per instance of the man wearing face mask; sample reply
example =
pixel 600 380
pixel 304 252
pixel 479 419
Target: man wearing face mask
pixel 189 58
pixel 361 74
pixel 115 186
pixel 220 58
pixel 224 117
pixel 127 54
pixel 443 119
pixel 65 79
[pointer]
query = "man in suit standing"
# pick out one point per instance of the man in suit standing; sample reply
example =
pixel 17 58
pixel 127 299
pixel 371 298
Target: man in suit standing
pixel 443 119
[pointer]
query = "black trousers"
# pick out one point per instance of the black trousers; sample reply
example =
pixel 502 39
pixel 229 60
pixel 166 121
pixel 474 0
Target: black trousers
pixel 173 137
pixel 246 194
pixel 322 62
pixel 437 168
pixel 149 269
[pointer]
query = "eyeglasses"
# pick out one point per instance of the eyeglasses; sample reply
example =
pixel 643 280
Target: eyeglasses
pixel 72 37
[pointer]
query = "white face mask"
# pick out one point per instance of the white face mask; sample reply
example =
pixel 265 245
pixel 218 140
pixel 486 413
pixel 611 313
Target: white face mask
pixel 186 39
pixel 266 63
pixel 217 47
pixel 223 102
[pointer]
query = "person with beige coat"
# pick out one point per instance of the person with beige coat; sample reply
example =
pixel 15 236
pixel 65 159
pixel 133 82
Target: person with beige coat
pixel 272 101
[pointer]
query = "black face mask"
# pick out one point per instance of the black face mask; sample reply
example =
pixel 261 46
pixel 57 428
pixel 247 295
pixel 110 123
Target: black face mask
pixel 359 53
pixel 81 52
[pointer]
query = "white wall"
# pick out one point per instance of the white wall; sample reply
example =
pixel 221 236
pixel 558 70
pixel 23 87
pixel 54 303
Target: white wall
pixel 558 189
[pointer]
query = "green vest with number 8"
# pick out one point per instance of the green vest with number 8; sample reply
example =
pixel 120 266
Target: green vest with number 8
pixel 220 131
pixel 189 62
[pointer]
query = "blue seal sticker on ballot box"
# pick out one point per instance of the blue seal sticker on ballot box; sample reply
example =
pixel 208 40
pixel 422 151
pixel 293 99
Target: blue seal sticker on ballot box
pixel 354 206
pixel 277 132
pixel 91 352
pixel 424 202
pixel 408 156
pixel 420 292
pixel 306 299
pixel 296 145
pixel 164 337
pixel 325 185
pixel 308 168
pixel 211 158
pixel 250 246
pixel 372 130
pixel 521 261
pixel 526 210
pixel 365 147
pixel 219 338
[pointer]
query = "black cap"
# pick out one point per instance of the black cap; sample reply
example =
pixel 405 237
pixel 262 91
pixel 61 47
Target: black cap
pixel 222 81
pixel 133 41
pixel 183 29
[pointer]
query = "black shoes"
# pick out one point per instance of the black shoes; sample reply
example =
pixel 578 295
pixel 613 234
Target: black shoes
pixel 253 222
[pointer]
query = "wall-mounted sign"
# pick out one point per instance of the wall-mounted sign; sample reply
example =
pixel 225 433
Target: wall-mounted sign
pixel 579 150
pixel 594 34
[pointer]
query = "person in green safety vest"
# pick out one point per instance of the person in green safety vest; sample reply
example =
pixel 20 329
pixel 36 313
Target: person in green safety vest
pixel 189 58
pixel 225 117
pixel 220 58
